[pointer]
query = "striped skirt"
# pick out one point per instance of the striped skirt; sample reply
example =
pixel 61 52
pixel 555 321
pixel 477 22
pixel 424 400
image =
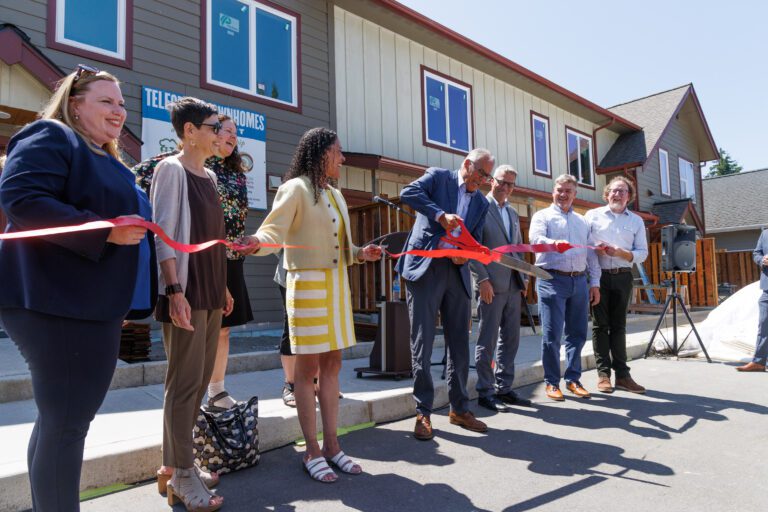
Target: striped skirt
pixel 319 310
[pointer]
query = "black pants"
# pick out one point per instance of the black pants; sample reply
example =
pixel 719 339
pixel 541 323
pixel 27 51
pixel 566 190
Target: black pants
pixel 285 339
pixel 71 363
pixel 609 324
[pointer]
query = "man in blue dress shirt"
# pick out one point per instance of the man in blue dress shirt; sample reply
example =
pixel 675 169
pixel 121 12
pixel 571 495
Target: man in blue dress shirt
pixel 621 237
pixel 575 285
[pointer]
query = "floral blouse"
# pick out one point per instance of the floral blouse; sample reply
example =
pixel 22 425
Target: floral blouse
pixel 231 187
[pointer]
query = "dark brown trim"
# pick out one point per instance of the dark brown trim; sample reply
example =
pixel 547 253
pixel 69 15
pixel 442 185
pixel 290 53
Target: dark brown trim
pixel 15 48
pixel 50 39
pixel 238 94
pixel 549 145
pixel 696 218
pixel 669 172
pixel 461 40
pixel 608 170
pixel 375 162
pixel 568 169
pixel 422 69
pixel 712 144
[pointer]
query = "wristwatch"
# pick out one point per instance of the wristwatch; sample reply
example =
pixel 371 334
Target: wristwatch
pixel 173 288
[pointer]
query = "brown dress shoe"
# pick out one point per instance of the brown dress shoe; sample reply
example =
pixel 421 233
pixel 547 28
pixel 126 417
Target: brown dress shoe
pixel 604 385
pixel 554 393
pixel 751 367
pixel 423 429
pixel 627 384
pixel 577 389
pixel 467 421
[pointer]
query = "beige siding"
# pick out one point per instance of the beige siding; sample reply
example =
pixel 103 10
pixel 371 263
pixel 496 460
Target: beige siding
pixel 378 105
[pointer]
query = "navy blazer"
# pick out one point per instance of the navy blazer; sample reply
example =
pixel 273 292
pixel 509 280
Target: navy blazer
pixel 52 178
pixel 437 190
pixel 757 255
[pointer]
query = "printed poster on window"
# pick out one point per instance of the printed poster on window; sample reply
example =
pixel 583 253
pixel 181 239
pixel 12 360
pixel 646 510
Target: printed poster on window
pixel 159 137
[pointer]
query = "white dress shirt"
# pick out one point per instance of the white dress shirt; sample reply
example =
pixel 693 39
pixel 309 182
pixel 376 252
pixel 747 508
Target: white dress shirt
pixel 625 230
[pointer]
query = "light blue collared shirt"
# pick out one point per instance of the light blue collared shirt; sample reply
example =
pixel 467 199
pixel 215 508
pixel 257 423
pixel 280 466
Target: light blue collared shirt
pixel 625 230
pixel 504 214
pixel 551 224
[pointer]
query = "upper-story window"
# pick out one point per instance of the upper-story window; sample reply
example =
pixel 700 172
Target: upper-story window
pixel 447 110
pixel 579 157
pixel 664 172
pixel 540 144
pixel 251 50
pixel 687 183
pixel 97 29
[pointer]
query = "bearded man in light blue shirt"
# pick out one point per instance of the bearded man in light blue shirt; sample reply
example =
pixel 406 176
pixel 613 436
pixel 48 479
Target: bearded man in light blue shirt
pixel 564 300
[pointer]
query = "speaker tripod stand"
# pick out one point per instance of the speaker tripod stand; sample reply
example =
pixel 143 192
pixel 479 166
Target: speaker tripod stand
pixel 674 299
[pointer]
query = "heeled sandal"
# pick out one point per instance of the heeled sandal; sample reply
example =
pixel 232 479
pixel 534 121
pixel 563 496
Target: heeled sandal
pixel 185 486
pixel 211 405
pixel 210 480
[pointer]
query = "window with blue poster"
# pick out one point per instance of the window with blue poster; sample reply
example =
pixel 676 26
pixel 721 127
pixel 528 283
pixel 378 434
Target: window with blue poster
pixel 540 144
pixel 447 112
pixel 251 50
pixel 97 29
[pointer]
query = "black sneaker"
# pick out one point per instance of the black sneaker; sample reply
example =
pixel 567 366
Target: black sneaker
pixel 511 398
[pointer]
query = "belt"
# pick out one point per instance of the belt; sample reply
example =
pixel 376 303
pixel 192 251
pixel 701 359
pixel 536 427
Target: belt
pixel 617 270
pixel 564 273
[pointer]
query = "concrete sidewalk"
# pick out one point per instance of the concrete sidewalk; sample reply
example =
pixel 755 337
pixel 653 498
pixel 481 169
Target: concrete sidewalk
pixel 123 445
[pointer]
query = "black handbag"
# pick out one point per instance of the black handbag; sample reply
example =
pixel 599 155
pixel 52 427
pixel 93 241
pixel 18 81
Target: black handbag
pixel 229 440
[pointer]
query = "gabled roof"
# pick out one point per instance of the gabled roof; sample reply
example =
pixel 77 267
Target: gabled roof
pixel 654 113
pixel 736 202
pixel 674 211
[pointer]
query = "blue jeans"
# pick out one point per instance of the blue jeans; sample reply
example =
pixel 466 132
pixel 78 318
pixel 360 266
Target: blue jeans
pixel 761 348
pixel 563 308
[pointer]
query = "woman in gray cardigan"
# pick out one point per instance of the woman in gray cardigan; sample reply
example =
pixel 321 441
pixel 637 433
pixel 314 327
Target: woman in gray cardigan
pixel 186 205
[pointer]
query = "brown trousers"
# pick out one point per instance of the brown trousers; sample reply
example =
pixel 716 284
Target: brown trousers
pixel 191 355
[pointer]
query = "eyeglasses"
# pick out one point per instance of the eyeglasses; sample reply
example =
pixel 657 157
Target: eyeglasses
pixel 83 70
pixel 216 127
pixel 619 191
pixel 484 175
pixel 501 182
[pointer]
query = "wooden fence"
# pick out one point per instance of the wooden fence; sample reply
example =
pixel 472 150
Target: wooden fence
pixel 736 268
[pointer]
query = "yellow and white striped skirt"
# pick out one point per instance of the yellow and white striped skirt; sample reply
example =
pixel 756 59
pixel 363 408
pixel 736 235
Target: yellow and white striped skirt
pixel 319 310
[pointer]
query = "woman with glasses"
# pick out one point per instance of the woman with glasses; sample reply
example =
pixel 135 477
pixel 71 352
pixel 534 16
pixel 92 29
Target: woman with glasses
pixel 63 298
pixel 193 290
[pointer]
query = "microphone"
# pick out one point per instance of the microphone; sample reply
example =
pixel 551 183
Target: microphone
pixel 377 199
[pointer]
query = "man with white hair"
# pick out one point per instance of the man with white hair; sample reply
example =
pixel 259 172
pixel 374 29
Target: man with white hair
pixel 564 300
pixel 442 198
pixel 500 292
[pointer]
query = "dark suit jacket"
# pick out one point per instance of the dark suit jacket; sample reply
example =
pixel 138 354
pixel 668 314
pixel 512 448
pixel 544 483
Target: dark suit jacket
pixel 494 235
pixel 437 190
pixel 52 178
pixel 757 255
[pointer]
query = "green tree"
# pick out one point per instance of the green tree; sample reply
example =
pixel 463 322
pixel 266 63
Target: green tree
pixel 724 166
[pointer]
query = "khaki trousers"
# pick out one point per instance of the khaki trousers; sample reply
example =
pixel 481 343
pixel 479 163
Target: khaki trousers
pixel 191 355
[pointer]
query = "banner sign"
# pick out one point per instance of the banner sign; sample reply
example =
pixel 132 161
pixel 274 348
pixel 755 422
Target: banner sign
pixel 159 137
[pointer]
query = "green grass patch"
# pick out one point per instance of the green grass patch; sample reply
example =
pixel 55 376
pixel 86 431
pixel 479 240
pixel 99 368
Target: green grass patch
pixel 340 431
pixel 103 491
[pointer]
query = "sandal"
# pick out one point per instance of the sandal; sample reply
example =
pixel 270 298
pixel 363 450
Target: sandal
pixel 345 464
pixel 318 469
pixel 289 398
pixel 186 486
pixel 210 480
pixel 212 407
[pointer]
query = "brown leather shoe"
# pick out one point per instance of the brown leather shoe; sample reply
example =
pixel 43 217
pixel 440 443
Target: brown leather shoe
pixel 627 384
pixel 423 429
pixel 577 389
pixel 751 367
pixel 604 385
pixel 554 393
pixel 467 421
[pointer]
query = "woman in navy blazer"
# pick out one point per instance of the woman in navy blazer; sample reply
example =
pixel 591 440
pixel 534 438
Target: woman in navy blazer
pixel 64 297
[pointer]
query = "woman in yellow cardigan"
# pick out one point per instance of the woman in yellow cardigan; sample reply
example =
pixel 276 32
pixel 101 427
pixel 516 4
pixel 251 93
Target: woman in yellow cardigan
pixel 309 211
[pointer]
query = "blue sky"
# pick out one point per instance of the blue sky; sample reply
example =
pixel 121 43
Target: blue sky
pixel 614 51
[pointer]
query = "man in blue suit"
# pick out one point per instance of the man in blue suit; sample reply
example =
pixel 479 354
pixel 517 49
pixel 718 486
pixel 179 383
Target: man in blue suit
pixel 441 198
pixel 760 256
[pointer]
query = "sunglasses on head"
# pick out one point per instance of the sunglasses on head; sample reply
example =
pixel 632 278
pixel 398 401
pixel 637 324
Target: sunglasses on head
pixel 83 70
pixel 216 127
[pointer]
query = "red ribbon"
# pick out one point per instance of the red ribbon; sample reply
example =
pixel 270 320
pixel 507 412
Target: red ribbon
pixel 133 221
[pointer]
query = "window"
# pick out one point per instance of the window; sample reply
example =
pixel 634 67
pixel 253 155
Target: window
pixel 447 112
pixel 540 144
pixel 251 48
pixel 97 29
pixel 664 172
pixel 579 157
pixel 687 183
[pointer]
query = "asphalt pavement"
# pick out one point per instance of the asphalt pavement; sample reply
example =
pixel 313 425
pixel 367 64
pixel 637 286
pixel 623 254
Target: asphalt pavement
pixel 697 441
